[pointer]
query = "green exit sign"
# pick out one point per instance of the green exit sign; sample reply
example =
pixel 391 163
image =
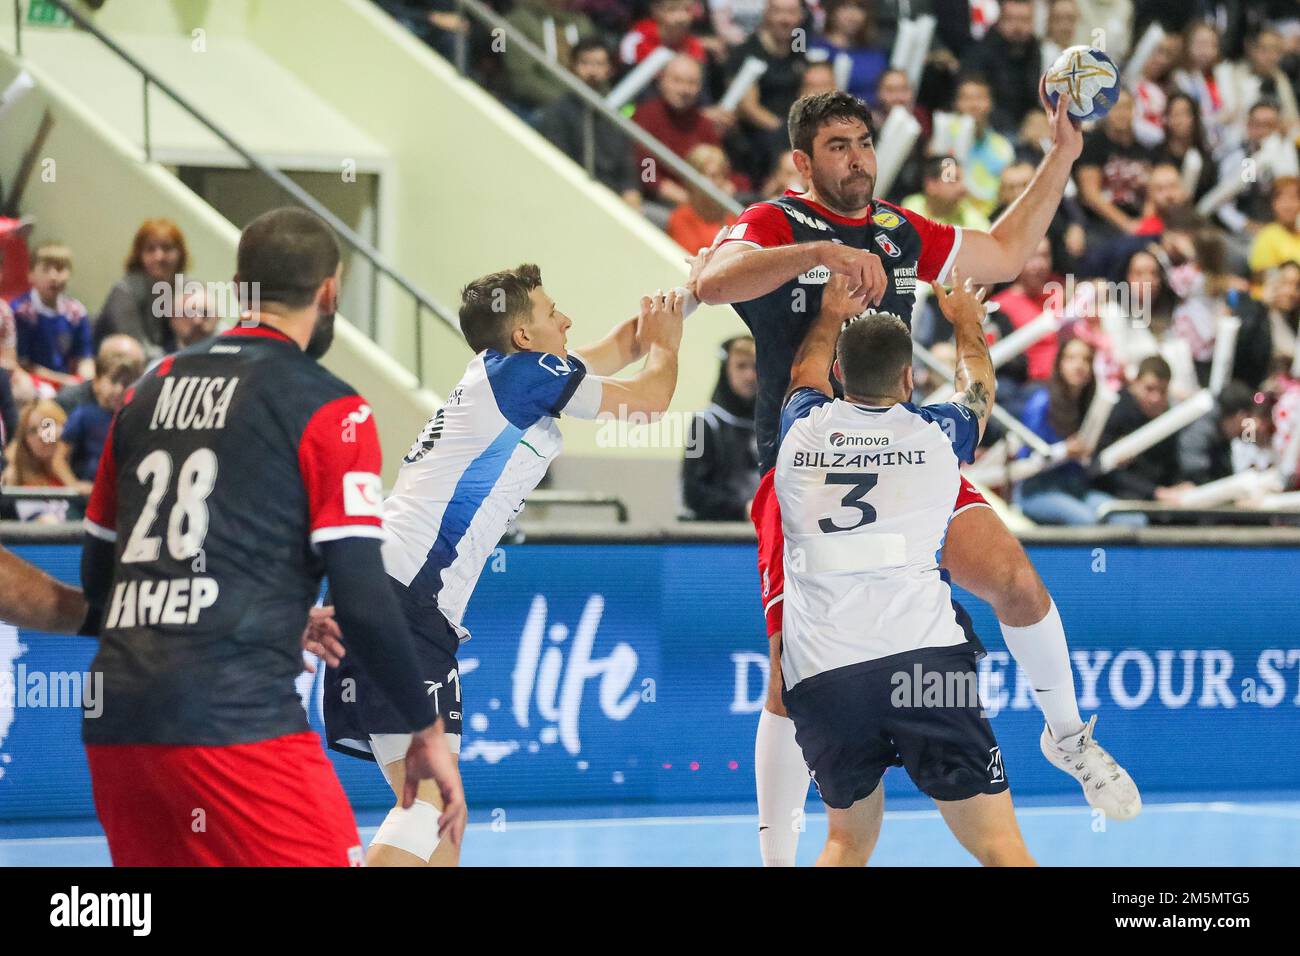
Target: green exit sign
pixel 46 14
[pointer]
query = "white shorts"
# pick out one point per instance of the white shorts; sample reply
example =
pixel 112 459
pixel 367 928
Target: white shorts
pixel 390 747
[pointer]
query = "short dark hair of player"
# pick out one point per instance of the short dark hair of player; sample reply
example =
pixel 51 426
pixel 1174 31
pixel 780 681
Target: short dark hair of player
pixel 1154 365
pixel 873 350
pixel 587 45
pixel 810 113
pixel 492 305
pixel 285 255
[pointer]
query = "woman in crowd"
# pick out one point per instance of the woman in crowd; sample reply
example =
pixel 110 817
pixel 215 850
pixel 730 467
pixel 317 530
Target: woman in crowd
pixel 1206 77
pixel 1185 144
pixel 1063 494
pixel 158 256
pixel 1279 241
pixel 37 459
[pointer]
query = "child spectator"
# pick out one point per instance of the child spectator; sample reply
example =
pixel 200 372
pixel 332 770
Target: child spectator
pixel 1205 446
pixel 114 350
pixel 1153 475
pixel 55 340
pixel 1279 241
pixel 86 431
pixel 695 222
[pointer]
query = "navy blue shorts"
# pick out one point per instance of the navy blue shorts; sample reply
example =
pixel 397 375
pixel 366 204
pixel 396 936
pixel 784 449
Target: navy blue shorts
pixel 355 708
pixel 919 710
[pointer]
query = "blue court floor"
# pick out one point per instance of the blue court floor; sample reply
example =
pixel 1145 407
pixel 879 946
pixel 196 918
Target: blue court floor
pixel 1261 829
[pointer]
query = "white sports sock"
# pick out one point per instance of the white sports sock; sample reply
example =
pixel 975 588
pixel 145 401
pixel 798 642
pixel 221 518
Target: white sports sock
pixel 782 779
pixel 1041 650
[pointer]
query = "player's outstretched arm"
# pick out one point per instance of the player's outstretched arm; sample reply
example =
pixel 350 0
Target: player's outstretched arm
pixel 30 598
pixel 651 389
pixel 964 308
pixel 812 363
pixel 1001 253
pixel 738 272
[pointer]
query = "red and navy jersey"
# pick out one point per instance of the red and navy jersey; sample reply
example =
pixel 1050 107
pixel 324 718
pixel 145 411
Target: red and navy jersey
pixel 911 249
pixel 227 465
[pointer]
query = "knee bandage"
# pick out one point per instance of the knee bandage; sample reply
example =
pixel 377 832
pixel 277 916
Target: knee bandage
pixel 414 830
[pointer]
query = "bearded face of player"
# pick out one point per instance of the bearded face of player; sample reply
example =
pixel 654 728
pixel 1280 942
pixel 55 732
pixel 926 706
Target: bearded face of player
pixel 842 166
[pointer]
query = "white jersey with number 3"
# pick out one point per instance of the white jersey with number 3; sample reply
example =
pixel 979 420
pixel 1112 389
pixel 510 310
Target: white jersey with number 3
pixel 866 495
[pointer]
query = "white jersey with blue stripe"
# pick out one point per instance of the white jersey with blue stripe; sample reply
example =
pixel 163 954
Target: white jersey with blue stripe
pixel 468 473
pixel 866 495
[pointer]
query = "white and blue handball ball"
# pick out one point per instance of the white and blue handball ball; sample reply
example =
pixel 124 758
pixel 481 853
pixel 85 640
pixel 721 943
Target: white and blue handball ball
pixel 1091 79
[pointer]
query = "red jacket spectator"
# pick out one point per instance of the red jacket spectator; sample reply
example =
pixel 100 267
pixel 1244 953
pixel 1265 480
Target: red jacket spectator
pixel 649 34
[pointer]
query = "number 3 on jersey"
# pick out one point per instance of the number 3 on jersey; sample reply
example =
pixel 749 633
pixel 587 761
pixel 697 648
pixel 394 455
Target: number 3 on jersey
pixel 187 524
pixel 861 484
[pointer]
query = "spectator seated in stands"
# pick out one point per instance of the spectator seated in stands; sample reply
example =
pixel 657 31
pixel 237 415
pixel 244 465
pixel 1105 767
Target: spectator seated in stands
pixel 8 413
pixel 785 176
pixel 86 431
pixel 1207 79
pixel 944 198
pixel 193 321
pixel 695 223
pixel 436 22
pixel 1010 60
pixel 114 351
pixel 669 24
pixel 1279 241
pixel 1025 300
pixel 1058 35
pixel 18 381
pixel 895 89
pixel 673 116
pixel 1205 447
pixel 990 152
pixel 1251 209
pixel 1153 475
pixel 766 105
pixel 55 339
pixel 1260 75
pixel 1282 297
pixel 38 459
pixel 720 470
pixel 135 304
pixel 850 39
pixel 564 122
pixel 1063 494
pixel 735 20
pixel 1165 194
pixel 556 27
pixel 818 77
pixel 1112 173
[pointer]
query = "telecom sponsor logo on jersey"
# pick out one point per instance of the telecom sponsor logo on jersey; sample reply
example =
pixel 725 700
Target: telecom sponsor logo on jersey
pixel 818 275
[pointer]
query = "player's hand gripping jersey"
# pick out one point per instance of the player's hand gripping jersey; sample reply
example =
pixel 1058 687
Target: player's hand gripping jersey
pixel 225 468
pixel 866 496
pixel 910 247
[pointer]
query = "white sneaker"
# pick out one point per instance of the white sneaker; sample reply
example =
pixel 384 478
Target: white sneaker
pixel 1106 785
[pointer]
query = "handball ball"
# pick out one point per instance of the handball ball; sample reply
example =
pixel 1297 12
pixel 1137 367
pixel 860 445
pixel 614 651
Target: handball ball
pixel 1091 79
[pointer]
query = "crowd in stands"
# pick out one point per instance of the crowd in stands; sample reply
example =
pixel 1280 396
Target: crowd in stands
pixel 64 371
pixel 1184 208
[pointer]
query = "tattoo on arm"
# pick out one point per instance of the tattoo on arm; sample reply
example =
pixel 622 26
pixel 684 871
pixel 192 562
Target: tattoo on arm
pixel 977 399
